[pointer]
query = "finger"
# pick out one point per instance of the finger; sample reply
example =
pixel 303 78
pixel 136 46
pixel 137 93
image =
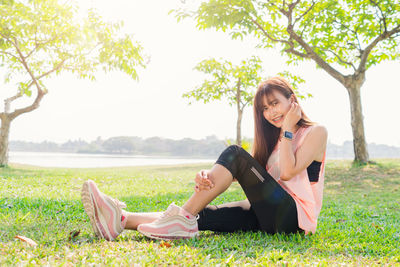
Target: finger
pixel 197 180
pixel 204 174
pixel 205 180
pixel 202 181
pixel 204 187
pixel 298 108
pixel 208 182
pixel 198 175
pixel 291 108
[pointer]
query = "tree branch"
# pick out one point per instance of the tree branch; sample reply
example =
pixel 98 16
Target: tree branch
pixel 12 55
pixel 297 53
pixel 289 12
pixel 8 101
pixel 266 33
pixel 59 65
pixel 34 106
pixel 42 43
pixel 40 92
pixel 310 53
pixel 273 4
pixel 314 56
pixel 368 49
pixel 36 43
pixel 305 13
pixel 25 64
pixel 246 103
pixel 353 31
pixel 5 37
pixel 383 19
pixel 8 53
pixel 337 56
pixel 292 6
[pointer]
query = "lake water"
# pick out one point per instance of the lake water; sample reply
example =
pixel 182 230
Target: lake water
pixel 74 160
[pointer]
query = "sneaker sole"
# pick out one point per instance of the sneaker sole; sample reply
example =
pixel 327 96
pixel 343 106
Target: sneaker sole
pixel 89 190
pixel 175 235
pixel 89 208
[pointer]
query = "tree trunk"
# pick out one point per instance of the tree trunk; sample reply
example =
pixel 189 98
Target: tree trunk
pixel 239 128
pixel 357 123
pixel 239 118
pixel 4 132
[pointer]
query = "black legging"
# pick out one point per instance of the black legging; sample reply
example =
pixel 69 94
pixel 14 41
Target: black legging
pixel 271 209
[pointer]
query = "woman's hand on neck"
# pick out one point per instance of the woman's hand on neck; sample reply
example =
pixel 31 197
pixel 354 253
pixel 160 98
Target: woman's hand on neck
pixel 292 117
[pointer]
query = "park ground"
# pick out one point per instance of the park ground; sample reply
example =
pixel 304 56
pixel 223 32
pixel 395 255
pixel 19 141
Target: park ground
pixel 359 222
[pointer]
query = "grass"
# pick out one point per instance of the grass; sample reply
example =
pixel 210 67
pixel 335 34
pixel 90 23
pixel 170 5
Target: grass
pixel 359 223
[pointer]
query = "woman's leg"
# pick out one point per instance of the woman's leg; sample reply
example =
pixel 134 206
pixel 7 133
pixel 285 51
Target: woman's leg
pixel 229 217
pixel 133 219
pixel 222 179
pixel 274 207
pixel 177 222
pixel 108 219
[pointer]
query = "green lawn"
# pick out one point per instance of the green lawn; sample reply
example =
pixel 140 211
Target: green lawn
pixel 359 223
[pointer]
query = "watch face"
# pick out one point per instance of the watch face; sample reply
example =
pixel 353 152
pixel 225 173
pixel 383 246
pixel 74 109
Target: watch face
pixel 288 135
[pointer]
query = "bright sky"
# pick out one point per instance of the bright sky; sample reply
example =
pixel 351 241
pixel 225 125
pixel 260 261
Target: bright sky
pixel 115 105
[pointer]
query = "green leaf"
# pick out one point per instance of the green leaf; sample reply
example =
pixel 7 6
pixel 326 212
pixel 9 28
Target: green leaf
pixel 44 38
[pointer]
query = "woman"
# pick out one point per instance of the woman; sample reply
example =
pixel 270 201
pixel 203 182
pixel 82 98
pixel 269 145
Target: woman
pixel 282 179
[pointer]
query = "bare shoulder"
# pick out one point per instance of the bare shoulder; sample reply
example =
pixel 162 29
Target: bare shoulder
pixel 317 139
pixel 319 131
pixel 318 135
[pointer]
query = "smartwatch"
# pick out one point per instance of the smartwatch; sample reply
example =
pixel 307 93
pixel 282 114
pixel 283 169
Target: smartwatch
pixel 288 135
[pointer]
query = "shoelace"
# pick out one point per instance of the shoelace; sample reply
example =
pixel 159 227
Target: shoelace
pixel 119 204
pixel 166 213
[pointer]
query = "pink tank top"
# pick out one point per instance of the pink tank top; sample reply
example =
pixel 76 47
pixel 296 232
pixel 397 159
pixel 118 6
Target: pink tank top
pixel 306 194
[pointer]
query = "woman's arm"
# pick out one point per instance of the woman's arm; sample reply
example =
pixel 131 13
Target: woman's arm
pixel 313 147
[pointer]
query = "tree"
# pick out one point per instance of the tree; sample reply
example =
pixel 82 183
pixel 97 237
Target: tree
pixel 235 83
pixel 119 144
pixel 42 38
pixel 344 38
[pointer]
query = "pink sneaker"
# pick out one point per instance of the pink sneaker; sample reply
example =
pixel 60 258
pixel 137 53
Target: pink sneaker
pixel 174 223
pixel 104 212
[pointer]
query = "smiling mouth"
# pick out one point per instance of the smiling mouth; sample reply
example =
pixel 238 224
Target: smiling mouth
pixel 278 119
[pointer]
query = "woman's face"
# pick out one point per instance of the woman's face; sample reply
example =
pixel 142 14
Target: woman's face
pixel 275 107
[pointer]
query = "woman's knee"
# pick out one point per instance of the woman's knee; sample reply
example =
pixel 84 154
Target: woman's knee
pixel 235 150
pixel 233 159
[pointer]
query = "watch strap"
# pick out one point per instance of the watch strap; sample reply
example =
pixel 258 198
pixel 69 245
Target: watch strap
pixel 288 135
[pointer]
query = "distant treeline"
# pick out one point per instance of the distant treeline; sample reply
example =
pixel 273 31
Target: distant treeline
pixel 211 146
pixel 346 151
pixel 208 147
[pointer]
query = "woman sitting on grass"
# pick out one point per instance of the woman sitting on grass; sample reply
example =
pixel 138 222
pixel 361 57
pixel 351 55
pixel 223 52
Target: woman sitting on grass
pixel 283 181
